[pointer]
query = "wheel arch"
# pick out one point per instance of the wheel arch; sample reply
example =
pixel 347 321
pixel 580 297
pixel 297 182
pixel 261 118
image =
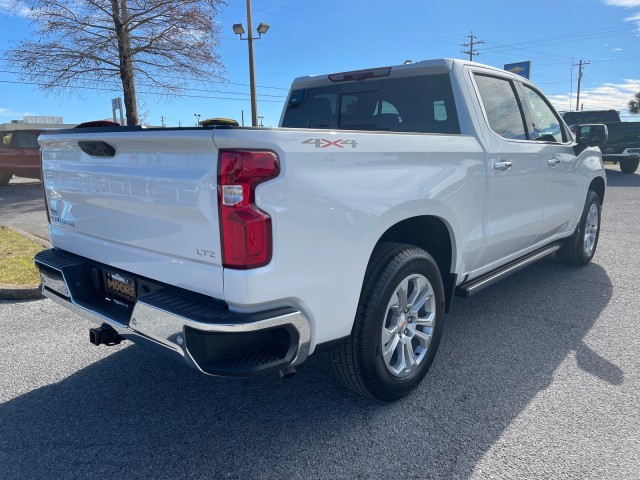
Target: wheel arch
pixel 598 186
pixel 434 235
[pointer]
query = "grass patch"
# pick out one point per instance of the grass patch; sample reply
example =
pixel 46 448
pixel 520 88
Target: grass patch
pixel 16 260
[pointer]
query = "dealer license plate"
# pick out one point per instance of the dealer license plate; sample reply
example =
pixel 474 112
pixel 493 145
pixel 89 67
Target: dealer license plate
pixel 119 288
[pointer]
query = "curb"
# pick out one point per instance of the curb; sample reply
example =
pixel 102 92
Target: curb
pixel 29 236
pixel 12 292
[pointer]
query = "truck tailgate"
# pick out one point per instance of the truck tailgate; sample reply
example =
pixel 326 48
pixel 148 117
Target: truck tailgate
pixel 144 202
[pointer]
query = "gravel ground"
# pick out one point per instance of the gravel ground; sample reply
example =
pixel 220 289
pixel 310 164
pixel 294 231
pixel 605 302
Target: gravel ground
pixel 536 377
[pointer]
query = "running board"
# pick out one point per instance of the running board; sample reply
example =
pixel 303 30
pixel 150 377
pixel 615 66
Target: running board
pixel 474 286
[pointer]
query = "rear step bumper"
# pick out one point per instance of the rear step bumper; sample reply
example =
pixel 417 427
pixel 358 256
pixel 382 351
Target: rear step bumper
pixel 195 329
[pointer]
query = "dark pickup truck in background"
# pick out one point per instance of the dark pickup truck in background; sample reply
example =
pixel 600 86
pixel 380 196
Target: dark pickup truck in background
pixel 590 116
pixel 19 154
pixel 623 145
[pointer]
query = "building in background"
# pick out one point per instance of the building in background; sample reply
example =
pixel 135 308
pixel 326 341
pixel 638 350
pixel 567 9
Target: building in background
pixel 32 122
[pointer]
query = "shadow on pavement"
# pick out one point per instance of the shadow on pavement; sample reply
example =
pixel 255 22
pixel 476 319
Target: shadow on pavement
pixel 615 178
pixel 136 415
pixel 22 193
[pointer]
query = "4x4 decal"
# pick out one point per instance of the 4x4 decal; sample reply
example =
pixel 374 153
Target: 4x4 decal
pixel 324 143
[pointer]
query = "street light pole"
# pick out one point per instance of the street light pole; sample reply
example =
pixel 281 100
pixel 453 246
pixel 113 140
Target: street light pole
pixel 238 29
pixel 252 78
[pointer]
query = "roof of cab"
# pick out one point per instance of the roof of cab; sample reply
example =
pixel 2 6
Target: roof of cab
pixel 440 65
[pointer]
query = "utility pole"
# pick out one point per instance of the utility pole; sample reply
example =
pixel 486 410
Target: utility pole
pixel 581 64
pixel 470 45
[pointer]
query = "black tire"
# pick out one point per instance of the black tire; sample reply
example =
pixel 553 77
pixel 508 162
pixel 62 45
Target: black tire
pixel 360 363
pixel 578 250
pixel 4 179
pixel 629 165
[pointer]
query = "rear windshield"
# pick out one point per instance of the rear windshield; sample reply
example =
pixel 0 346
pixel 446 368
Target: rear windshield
pixel 413 104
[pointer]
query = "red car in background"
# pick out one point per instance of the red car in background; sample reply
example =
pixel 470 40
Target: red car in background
pixel 19 154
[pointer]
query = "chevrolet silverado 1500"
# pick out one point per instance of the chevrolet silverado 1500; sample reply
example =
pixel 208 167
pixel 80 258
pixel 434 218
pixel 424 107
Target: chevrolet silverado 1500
pixel 384 193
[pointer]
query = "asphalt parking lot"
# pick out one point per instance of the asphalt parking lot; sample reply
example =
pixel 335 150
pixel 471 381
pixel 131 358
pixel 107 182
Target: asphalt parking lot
pixel 536 377
pixel 22 206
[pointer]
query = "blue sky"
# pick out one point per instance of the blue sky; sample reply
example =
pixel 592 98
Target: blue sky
pixel 309 38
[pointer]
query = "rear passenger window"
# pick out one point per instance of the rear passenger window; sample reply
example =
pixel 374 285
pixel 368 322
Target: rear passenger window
pixel 501 105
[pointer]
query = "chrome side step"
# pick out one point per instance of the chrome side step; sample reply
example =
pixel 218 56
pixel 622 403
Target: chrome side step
pixel 477 284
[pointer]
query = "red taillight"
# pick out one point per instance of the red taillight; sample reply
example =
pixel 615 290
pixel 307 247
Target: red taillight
pixel 245 229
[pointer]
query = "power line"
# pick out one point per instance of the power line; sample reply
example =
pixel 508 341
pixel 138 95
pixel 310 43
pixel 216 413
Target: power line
pixel 557 39
pixel 287 47
pixel 185 88
pixel 321 22
pixel 183 95
pixel 321 13
pixel 597 33
pixel 553 83
pixel 615 60
pixel 536 52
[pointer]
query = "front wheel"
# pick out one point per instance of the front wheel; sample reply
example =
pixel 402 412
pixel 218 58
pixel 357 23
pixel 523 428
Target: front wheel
pixel 398 324
pixel 629 165
pixel 580 247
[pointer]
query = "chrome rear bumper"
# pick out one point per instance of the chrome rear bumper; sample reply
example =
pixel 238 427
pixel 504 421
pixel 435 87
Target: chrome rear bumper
pixel 198 330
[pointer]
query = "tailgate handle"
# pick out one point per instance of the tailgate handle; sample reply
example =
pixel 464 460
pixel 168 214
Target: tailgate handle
pixel 97 148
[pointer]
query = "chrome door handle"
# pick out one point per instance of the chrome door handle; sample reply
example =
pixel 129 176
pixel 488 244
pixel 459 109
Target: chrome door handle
pixel 502 165
pixel 553 161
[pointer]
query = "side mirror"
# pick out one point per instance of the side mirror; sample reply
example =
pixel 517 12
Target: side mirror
pixel 590 135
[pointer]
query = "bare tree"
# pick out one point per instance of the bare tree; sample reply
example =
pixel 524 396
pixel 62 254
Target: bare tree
pixel 634 104
pixel 86 43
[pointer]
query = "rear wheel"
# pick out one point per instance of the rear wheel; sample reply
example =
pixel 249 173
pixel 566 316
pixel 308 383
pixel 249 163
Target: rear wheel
pixel 580 247
pixel 629 165
pixel 4 179
pixel 398 324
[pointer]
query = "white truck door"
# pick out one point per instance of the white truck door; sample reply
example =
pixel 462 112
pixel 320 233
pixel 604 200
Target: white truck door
pixel 563 192
pixel 517 177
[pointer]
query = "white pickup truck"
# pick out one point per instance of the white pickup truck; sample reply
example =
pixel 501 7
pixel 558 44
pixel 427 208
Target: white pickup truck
pixel 384 193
